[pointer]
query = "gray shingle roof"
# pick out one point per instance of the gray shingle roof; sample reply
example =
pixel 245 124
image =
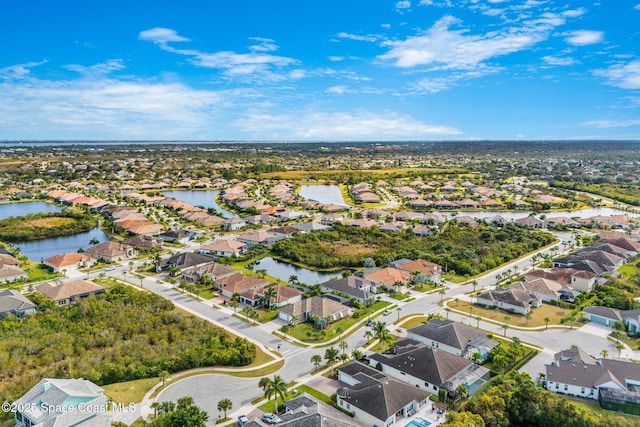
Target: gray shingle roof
pixel 12 301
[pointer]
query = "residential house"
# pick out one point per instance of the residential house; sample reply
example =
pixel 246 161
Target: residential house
pixel 184 260
pixel 432 271
pixel 531 222
pixel 315 307
pixel 514 300
pixel 544 289
pixel 453 337
pixel 238 284
pixel 63 402
pixel 212 270
pixel 330 219
pixel 70 292
pixel 388 277
pixel 144 242
pixel 579 280
pixel 233 224
pixel 259 237
pixel 393 227
pixel 354 287
pixel 311 226
pixel 576 373
pixel 111 251
pixel 13 302
pixel 72 260
pixel 224 247
pixel 429 368
pixel 374 398
pixel 261 219
pixel 11 273
pixel 176 236
pixel 284 231
pixel 423 230
pixel 283 295
pixel 362 223
pixel 8 259
pixel 608 317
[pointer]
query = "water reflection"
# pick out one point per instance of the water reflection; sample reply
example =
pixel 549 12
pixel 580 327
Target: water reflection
pixel 322 193
pixel 204 198
pixel 26 208
pixel 283 271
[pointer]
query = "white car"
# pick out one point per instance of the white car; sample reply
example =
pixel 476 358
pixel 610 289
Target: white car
pixel 270 418
pixel 110 268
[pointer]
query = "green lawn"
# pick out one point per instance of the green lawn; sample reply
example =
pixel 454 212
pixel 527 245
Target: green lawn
pixel 628 270
pixel 130 391
pixel 412 322
pixel 38 272
pixel 536 317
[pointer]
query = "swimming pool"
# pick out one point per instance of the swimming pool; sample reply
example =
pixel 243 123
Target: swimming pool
pixel 418 422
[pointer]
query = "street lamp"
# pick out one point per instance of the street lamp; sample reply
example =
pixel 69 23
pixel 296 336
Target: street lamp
pixel 279 348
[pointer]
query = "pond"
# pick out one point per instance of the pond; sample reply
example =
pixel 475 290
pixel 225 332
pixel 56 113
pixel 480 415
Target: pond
pixel 26 208
pixel 45 248
pixel 204 198
pixel 283 271
pixel 322 193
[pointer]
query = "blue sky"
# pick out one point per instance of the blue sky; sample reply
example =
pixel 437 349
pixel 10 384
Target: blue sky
pixel 319 70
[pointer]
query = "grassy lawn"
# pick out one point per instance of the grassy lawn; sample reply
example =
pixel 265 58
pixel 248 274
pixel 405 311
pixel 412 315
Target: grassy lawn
pixel 412 322
pixel 130 391
pixel 425 287
pixel 38 272
pixel 305 331
pixel 628 270
pixel 591 406
pixel 399 297
pixel 536 318
pixel 634 343
pixel 313 392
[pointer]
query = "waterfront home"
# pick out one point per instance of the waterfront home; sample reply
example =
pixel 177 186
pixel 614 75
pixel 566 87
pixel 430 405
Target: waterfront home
pixel 224 247
pixel 349 287
pixel 71 260
pixel 283 295
pixel 111 251
pixel 11 273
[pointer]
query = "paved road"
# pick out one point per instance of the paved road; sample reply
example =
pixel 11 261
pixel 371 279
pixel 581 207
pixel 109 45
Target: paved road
pixel 208 389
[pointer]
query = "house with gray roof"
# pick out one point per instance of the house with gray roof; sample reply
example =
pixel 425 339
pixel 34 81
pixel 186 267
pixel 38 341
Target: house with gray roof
pixel 375 398
pixel 453 337
pixel 13 302
pixel 430 368
pixel 315 307
pixel 609 316
pixel 514 300
pixel 576 373
pixel 355 287
pixel 57 402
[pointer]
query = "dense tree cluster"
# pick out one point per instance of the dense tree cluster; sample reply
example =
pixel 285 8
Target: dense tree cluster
pixel 467 250
pixel 23 228
pixel 516 400
pixel 183 414
pixel 625 193
pixel 121 335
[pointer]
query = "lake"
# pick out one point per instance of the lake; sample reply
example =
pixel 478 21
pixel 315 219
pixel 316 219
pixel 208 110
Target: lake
pixel 322 193
pixel 204 198
pixel 283 271
pixel 45 248
pixel 26 208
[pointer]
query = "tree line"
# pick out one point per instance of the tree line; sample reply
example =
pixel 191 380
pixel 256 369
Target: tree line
pixel 22 228
pixel 467 250
pixel 121 335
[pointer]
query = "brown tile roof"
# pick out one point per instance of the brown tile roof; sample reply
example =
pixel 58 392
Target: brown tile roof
pixel 69 289
pixel 239 283
pixel 389 276
pixel 71 258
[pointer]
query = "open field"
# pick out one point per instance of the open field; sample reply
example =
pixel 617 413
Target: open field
pixel 49 222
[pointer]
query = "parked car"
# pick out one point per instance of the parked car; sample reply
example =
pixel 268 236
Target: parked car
pixel 386 312
pixel 243 420
pixel 270 418
pixel 369 322
pixel 110 268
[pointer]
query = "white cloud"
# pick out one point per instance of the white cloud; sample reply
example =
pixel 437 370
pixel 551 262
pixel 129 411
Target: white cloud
pixel 574 13
pixel 584 37
pixel 555 60
pixel 336 58
pixel 256 66
pixel 338 90
pixel 367 38
pixel 161 36
pixel 107 108
pixel 637 7
pixel 456 49
pixel 264 45
pixel 626 76
pixel 19 71
pixel 606 124
pixel 385 26
pixel 97 69
pixel 402 5
pixel 340 126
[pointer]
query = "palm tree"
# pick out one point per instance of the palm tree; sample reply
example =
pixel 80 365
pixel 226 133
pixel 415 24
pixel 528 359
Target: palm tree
pixel 234 304
pixel 285 329
pixel 368 335
pixel 316 359
pixel 478 319
pixel 398 310
pixel 275 387
pixel 94 241
pixel 331 354
pixel 505 326
pixel 448 310
pixel 261 272
pixel 270 294
pixel 619 347
pixel 356 354
pixel 156 261
pixel 343 346
pixel 547 320
pixel 441 292
pixel 225 405
pixel 470 310
pixel 381 332
pixel 155 406
pixel 604 353
pixel 339 330
pixel 293 279
pixel 163 376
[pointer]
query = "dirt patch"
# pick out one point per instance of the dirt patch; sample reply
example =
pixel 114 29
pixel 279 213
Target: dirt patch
pixel 348 248
pixel 49 222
